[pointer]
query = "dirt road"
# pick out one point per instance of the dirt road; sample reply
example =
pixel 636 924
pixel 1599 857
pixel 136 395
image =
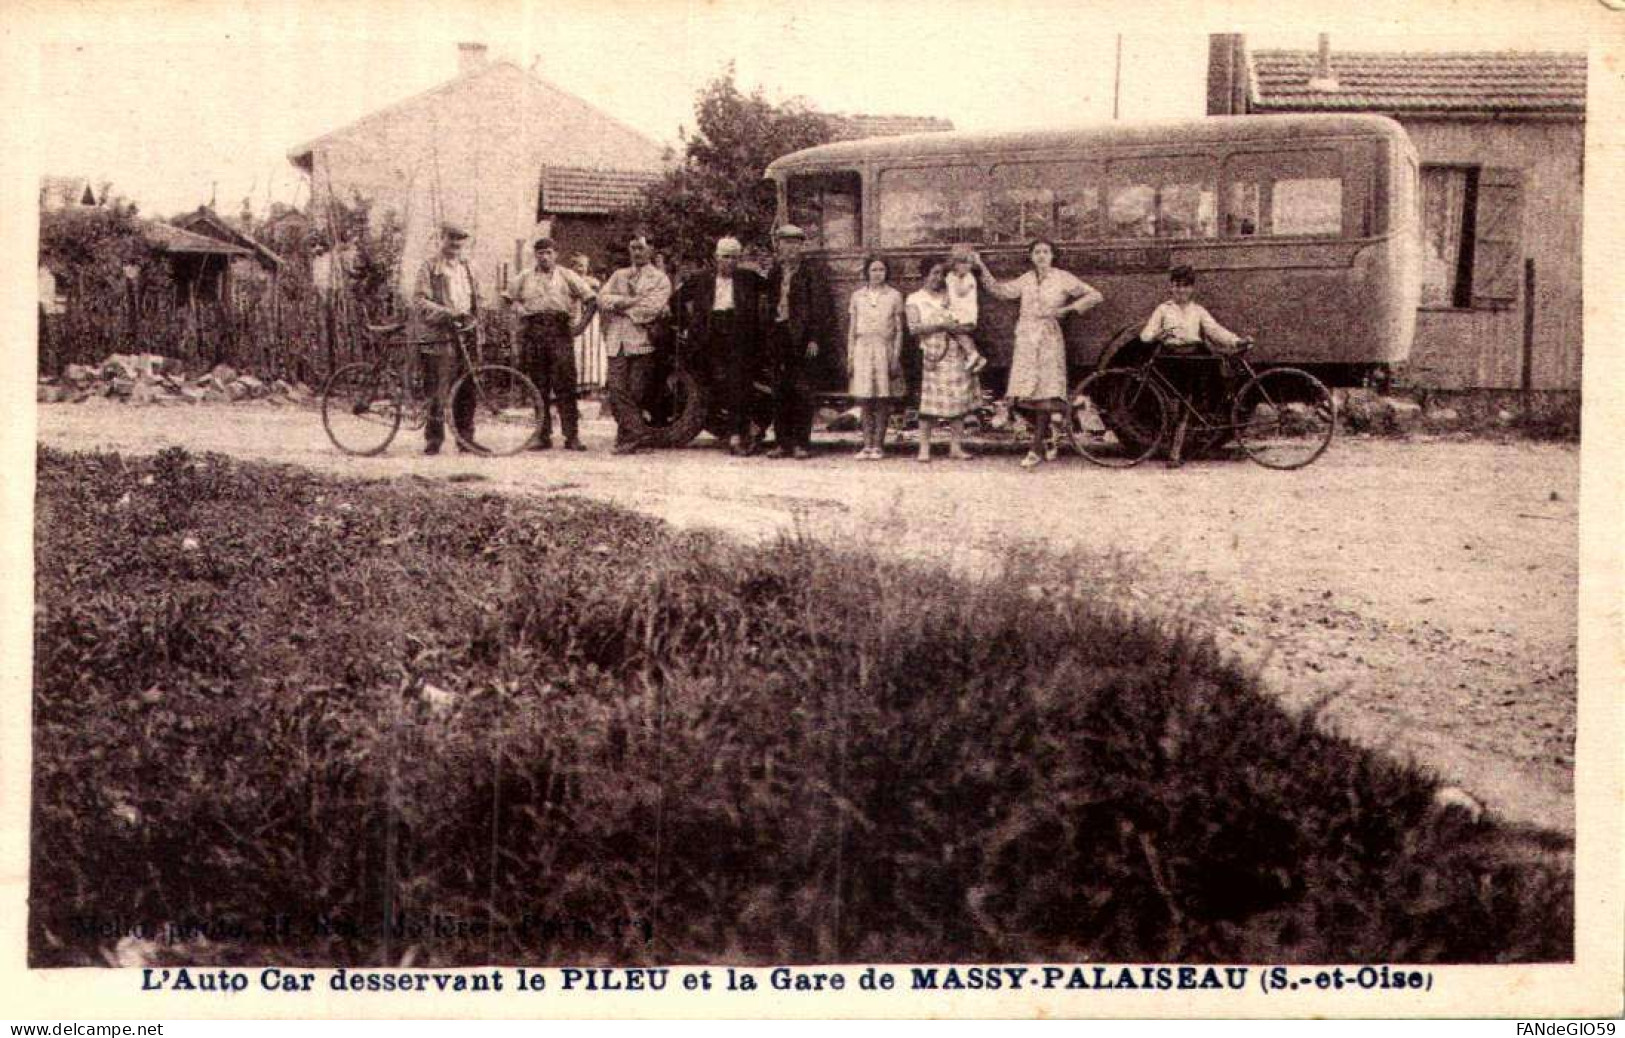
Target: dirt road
pixel 1426 590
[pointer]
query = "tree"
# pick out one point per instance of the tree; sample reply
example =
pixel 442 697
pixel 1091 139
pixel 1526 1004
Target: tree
pixel 94 243
pixel 718 189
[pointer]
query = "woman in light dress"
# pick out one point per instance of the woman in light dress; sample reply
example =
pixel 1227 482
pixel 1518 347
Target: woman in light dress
pixel 1038 368
pixel 874 353
pixel 948 389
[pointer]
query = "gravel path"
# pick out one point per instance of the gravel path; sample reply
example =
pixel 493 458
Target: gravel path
pixel 1423 592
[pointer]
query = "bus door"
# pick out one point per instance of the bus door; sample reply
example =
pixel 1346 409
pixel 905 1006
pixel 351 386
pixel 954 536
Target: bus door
pixel 828 206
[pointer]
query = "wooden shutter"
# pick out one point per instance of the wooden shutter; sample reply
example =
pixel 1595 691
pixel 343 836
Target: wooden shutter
pixel 1498 238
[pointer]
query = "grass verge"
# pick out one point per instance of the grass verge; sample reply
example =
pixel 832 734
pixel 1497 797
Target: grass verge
pixel 282 718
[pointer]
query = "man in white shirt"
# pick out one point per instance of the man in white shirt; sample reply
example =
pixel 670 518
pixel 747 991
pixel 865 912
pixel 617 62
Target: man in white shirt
pixel 546 299
pixel 721 316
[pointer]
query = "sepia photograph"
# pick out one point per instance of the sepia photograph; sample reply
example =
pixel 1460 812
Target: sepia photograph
pixel 741 486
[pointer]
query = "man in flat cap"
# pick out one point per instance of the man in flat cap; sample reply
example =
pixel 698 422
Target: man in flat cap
pixel 546 298
pixel 798 314
pixel 720 312
pixel 446 299
pixel 631 301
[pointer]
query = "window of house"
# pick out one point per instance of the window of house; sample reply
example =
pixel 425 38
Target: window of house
pixel 1472 236
pixel 1449 205
pixel 1059 200
pixel 829 208
pixel 940 204
pixel 1284 194
pixel 1162 198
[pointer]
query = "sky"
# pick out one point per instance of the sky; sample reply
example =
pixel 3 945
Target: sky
pixel 180 103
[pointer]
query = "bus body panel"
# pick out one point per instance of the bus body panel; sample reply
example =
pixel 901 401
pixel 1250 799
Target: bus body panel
pixel 1341 303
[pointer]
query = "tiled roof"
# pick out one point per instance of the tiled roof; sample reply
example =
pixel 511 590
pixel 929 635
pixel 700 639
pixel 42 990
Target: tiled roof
pixel 209 224
pixel 169 238
pixel 1505 81
pixel 858 127
pixel 567 189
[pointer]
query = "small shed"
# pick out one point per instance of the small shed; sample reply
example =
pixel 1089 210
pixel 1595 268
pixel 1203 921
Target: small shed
pixel 253 274
pixel 208 223
pixel 199 266
pixel 1501 140
pixel 574 206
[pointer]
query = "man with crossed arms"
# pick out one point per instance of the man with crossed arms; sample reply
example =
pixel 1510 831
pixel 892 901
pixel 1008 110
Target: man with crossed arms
pixel 631 301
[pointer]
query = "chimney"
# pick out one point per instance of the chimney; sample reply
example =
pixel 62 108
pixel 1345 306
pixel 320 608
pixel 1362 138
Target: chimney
pixel 470 58
pixel 1226 74
pixel 1324 78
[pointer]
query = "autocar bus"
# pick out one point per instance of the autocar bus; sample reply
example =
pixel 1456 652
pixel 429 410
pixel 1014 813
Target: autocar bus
pixel 1303 229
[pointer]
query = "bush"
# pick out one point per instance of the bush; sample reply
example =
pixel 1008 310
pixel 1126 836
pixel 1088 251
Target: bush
pixel 571 735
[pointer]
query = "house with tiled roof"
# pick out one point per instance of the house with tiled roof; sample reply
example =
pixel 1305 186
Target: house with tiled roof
pixel 577 209
pixel 1501 141
pixel 474 151
pixel 200 267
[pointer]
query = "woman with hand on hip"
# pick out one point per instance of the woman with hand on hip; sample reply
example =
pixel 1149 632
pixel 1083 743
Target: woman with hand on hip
pixel 874 353
pixel 1038 367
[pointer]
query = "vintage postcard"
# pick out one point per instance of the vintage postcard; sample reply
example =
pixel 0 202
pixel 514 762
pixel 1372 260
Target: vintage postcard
pixel 750 509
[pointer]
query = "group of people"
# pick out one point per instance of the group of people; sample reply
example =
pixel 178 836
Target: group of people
pixel 745 326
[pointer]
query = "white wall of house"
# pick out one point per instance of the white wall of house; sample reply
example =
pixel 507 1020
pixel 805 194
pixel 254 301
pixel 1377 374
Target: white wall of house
pixel 471 152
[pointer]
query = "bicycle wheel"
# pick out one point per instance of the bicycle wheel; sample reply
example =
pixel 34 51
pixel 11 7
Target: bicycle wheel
pixel 507 409
pixel 361 407
pixel 1119 417
pixel 1284 418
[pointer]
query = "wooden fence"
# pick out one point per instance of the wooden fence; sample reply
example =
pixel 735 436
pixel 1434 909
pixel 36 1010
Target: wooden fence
pixel 284 329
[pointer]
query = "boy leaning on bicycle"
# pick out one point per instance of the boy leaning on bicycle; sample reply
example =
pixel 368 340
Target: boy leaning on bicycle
pixel 1186 328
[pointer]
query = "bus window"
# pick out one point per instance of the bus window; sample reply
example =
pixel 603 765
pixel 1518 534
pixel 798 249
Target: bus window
pixel 1307 205
pixel 1241 215
pixel 942 204
pixel 1162 198
pixel 1284 194
pixel 829 207
pixel 1043 200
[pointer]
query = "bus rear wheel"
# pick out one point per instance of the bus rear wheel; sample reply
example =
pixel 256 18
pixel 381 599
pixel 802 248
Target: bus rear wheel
pixel 1118 417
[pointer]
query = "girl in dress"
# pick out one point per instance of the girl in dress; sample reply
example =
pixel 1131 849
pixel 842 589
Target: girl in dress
pixel 1038 368
pixel 874 353
pixel 947 387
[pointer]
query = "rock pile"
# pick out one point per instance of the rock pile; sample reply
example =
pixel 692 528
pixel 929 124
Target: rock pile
pixel 147 378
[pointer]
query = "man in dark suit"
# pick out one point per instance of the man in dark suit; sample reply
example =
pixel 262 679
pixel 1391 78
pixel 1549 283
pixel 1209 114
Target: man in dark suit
pixel 798 311
pixel 721 315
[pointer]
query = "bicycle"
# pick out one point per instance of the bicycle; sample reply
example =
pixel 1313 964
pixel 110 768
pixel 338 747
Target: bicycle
pixel 1283 418
pixel 365 402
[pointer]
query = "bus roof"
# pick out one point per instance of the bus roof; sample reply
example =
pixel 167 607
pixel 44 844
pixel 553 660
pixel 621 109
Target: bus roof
pixel 1214 129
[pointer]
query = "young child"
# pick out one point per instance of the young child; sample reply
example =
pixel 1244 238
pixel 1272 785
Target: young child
pixel 962 304
pixel 1183 322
